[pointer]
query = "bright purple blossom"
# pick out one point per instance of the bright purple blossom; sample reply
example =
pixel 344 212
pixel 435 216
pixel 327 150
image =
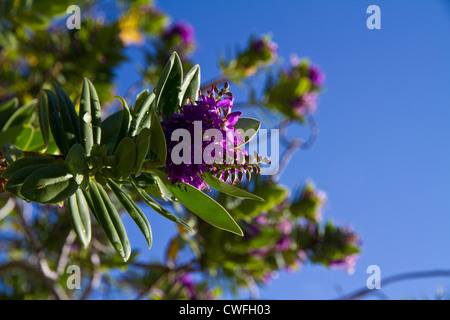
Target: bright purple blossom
pixel 283 243
pixel 348 263
pixel 183 30
pixel 213 114
pixel 261 44
pixel 316 75
pixel 187 283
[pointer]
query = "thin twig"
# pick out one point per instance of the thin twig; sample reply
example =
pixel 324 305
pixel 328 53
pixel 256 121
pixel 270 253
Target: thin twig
pixel 396 278
pixel 37 273
pixel 215 82
pixel 65 252
pixel 44 269
pixel 96 276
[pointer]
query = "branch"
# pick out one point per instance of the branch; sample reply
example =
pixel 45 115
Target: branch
pixel 44 270
pixel 96 277
pixel 65 251
pixel 32 270
pixel 396 278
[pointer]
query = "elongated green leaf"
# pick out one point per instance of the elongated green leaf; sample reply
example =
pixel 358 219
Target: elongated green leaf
pixel 249 126
pixel 58 132
pixel 125 123
pixel 23 163
pixel 226 188
pixel 142 147
pixel 272 194
pixel 77 163
pixel 135 213
pixel 157 207
pixel 7 109
pixel 109 219
pixel 126 158
pixel 90 116
pixel 21 116
pixel 80 217
pixel 157 139
pixel 50 184
pixel 203 206
pixel 109 129
pixel 190 86
pixel 16 181
pixel 69 117
pixel 44 118
pixel 168 86
pixel 96 114
pixel 20 136
pixel 141 113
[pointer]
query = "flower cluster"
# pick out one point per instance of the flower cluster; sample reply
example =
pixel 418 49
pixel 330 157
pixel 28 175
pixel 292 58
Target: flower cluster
pixel 306 102
pixel 339 246
pixel 213 113
pixel 182 31
pixel 295 94
pixel 260 52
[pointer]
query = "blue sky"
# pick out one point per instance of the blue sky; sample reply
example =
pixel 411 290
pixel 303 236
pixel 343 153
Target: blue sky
pixel 383 153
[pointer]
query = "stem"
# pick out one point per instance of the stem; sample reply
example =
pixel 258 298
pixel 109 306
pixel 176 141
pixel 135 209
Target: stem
pixel 397 278
pixel 215 82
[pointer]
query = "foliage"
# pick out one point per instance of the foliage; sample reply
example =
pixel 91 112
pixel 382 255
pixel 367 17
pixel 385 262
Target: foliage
pixel 70 171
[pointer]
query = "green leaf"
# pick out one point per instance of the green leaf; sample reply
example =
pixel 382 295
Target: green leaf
pixel 249 126
pixel 109 129
pixel 21 116
pixel 142 147
pixel 44 120
pixel 157 139
pixel 23 163
pixel 17 179
pixel 272 194
pixel 203 206
pixel 124 124
pixel 58 132
pixel 50 184
pixel 90 116
pixel 157 207
pixel 168 86
pixel 77 163
pixel 126 155
pixel 69 117
pixel 141 113
pixel 231 190
pixel 20 136
pixel 7 109
pixel 109 219
pixel 135 213
pixel 80 217
pixel 190 86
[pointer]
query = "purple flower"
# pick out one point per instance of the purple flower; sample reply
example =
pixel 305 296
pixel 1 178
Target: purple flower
pixel 187 282
pixel 285 226
pixel 262 44
pixel 213 114
pixel 316 75
pixel 183 30
pixel 305 104
pixel 284 243
pixel 348 263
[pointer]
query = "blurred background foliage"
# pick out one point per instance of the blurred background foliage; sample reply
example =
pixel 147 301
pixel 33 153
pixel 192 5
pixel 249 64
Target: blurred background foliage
pixel 36 241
